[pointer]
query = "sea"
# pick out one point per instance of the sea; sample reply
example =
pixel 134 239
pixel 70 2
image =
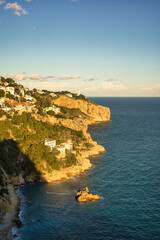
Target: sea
pixel 126 176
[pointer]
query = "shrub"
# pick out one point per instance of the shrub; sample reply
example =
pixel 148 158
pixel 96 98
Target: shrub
pixel 2 93
pixel 2 113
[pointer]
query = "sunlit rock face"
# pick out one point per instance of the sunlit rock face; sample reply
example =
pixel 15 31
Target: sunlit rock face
pixel 84 195
pixel 96 112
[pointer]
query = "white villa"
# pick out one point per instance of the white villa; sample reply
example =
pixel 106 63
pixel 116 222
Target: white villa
pixel 3 88
pixel 69 95
pixel 10 89
pixel 29 98
pixel 1 101
pixel 20 107
pixel 40 92
pixel 22 92
pixel 61 148
pixel 53 95
pixel 53 108
pixel 50 143
pixel 68 145
pixel 4 107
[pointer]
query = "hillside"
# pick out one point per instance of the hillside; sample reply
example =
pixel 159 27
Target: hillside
pixel 43 136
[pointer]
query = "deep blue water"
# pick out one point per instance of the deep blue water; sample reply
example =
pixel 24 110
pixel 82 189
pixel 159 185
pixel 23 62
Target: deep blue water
pixel 126 176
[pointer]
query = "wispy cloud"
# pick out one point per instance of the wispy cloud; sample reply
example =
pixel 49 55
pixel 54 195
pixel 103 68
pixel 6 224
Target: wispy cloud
pixel 91 79
pixel 113 87
pixel 60 86
pixel 69 77
pixel 17 13
pixel 153 88
pixel 24 76
pixel 18 77
pixel 2 2
pixel 28 0
pixel 112 79
pixel 40 78
pixel 18 9
pixel 33 28
pixel 36 76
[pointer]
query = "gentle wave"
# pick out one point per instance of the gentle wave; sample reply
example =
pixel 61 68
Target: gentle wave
pixel 61 194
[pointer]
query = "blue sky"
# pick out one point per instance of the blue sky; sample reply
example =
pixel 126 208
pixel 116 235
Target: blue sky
pixel 99 47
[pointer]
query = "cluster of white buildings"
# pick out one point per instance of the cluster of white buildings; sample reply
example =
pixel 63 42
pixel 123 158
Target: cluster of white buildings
pixel 52 108
pixel 53 94
pixel 3 105
pixel 29 98
pixel 15 105
pixel 61 148
pixel 8 89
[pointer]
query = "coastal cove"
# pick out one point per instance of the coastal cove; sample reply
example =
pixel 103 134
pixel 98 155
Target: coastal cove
pixel 41 141
pixel 126 177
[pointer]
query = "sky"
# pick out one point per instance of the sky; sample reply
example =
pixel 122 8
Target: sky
pixel 97 47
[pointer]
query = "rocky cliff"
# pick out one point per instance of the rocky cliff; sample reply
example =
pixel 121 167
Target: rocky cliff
pixel 24 157
pixel 75 124
pixel 96 112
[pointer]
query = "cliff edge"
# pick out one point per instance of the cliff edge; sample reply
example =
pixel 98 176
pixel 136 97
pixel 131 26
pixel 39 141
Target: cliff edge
pixel 96 112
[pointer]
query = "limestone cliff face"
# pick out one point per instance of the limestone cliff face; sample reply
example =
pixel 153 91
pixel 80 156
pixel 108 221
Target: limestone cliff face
pixel 75 124
pixel 96 112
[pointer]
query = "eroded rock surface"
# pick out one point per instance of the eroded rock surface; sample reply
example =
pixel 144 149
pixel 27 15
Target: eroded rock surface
pixel 84 195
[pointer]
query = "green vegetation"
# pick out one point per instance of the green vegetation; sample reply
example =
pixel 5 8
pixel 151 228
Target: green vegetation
pixel 42 100
pixel 29 134
pixel 7 80
pixel 72 113
pixel 68 113
pixel 71 159
pixel 22 136
pixel 9 95
pixel 2 93
pixel 2 113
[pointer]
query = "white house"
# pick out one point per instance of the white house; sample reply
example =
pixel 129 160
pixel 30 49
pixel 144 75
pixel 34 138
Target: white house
pixel 3 88
pixel 22 92
pixel 56 109
pixel 1 101
pixel 40 92
pixel 16 95
pixel 50 143
pixel 4 107
pixel 53 95
pixel 10 89
pixel 29 98
pixel 61 148
pixel 7 109
pixel 53 108
pixel 68 145
pixel 20 107
pixel 69 95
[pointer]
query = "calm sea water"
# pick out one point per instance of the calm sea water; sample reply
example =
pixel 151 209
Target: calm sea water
pixel 126 176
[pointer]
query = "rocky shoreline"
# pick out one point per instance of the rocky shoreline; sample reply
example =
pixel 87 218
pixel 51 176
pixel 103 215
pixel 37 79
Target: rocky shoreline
pixel 11 218
pixel 22 160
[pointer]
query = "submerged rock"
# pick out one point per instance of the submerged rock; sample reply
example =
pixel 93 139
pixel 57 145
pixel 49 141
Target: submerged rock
pixel 84 195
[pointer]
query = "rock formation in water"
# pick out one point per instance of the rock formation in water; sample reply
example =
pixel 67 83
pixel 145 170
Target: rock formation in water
pixel 84 195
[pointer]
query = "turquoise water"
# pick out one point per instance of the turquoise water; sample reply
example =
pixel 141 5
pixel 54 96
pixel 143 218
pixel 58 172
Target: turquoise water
pixel 126 176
